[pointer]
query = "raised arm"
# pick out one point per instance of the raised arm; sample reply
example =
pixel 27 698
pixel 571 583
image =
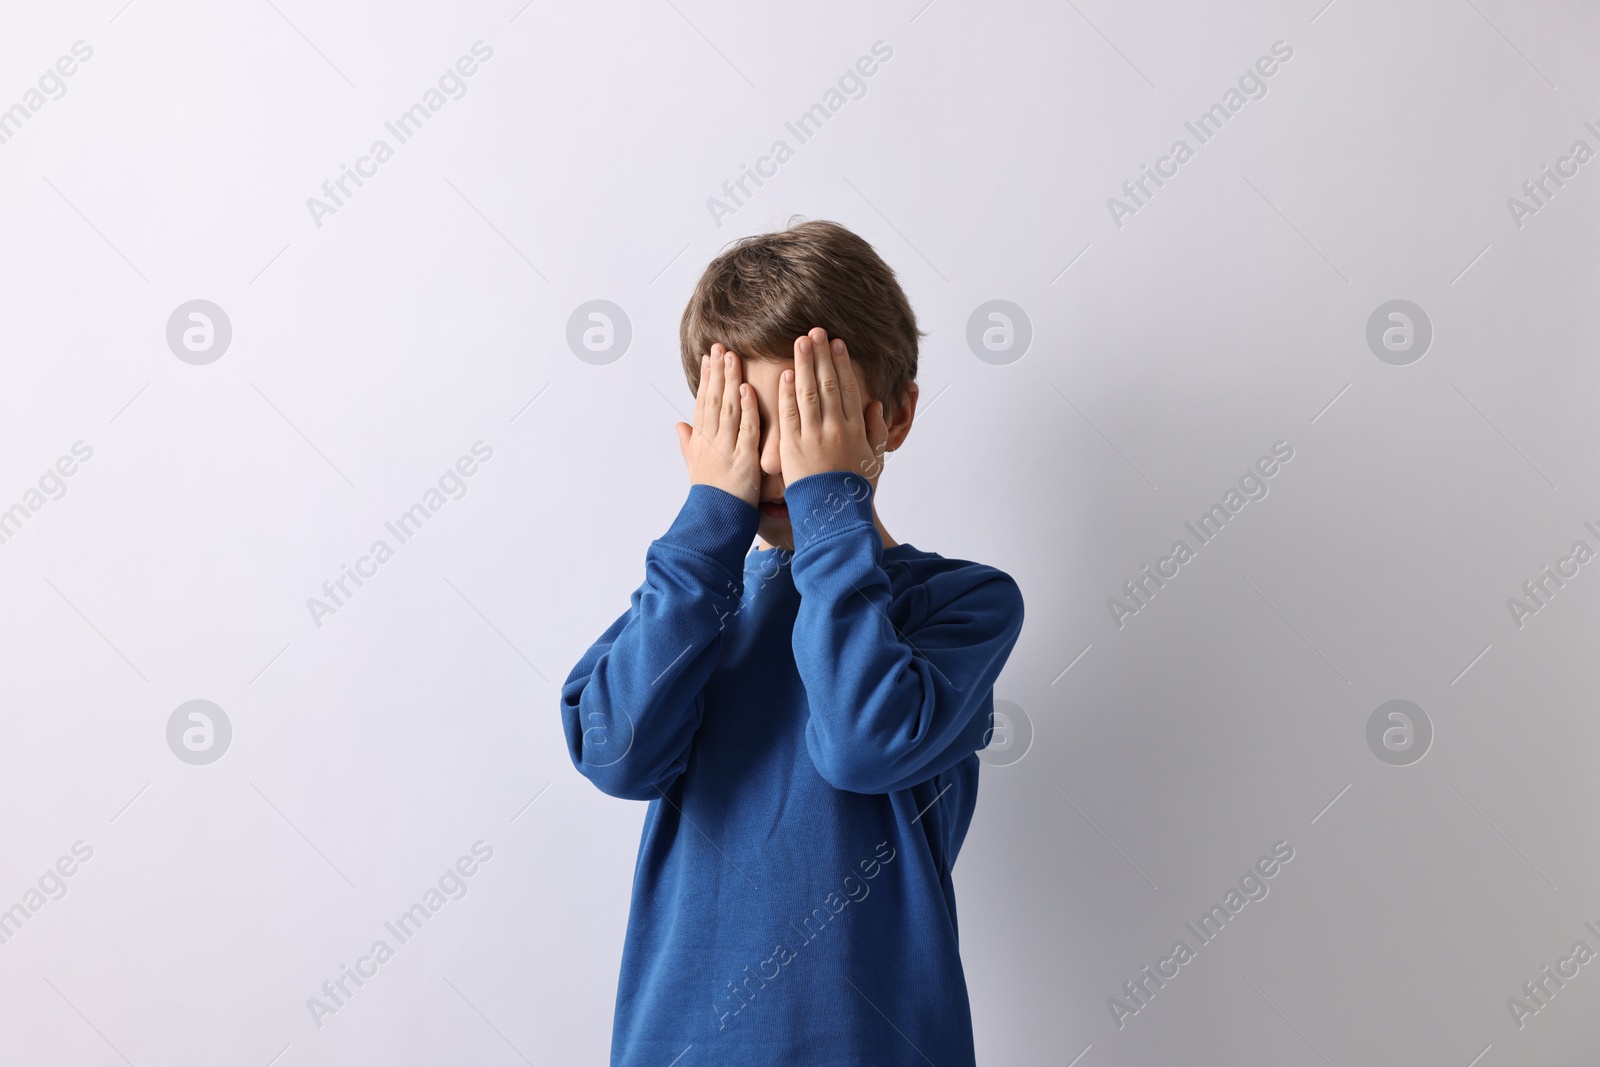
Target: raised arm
pixel 889 709
pixel 633 702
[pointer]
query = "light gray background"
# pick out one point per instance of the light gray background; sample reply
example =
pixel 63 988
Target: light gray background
pixel 1168 354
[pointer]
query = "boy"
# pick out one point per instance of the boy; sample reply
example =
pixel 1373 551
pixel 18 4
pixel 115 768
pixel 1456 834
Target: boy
pixel 803 719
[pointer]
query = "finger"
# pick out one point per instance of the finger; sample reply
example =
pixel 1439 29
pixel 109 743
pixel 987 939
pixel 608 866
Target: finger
pixel 828 384
pixel 700 389
pixel 732 414
pixel 877 440
pixel 713 408
pixel 702 392
pixel 850 387
pixel 807 400
pixel 789 426
pixel 749 429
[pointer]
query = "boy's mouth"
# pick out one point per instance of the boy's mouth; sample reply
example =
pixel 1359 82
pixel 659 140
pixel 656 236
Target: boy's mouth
pixel 775 509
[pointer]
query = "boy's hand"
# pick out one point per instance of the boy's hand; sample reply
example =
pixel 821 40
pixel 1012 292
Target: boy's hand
pixel 721 448
pixel 821 423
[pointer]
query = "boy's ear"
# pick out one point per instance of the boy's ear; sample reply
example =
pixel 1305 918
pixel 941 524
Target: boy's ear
pixel 899 419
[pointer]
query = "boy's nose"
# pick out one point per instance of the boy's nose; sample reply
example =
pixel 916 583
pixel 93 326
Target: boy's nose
pixel 770 460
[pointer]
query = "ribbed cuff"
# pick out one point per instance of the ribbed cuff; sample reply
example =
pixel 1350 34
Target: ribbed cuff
pixel 715 523
pixel 821 505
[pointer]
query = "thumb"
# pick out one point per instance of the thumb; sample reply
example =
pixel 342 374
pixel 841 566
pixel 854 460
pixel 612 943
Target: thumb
pixel 685 431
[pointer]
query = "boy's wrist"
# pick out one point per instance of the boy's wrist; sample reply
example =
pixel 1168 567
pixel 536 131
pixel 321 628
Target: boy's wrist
pixel 714 522
pixel 823 504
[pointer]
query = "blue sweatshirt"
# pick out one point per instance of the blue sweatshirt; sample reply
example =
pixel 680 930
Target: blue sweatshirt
pixel 804 726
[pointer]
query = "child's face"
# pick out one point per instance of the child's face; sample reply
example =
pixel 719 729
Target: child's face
pixel 763 376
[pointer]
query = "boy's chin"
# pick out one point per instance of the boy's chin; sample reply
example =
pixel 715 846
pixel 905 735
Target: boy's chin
pixel 776 533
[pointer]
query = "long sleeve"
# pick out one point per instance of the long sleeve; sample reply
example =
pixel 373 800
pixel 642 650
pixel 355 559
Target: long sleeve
pixel 889 709
pixel 632 704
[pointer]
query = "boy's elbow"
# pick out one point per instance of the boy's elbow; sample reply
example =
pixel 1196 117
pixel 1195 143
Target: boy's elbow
pixel 598 750
pixel 607 748
pixel 848 778
pixel 867 762
pixel 623 778
pixel 852 772
pixel 621 786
